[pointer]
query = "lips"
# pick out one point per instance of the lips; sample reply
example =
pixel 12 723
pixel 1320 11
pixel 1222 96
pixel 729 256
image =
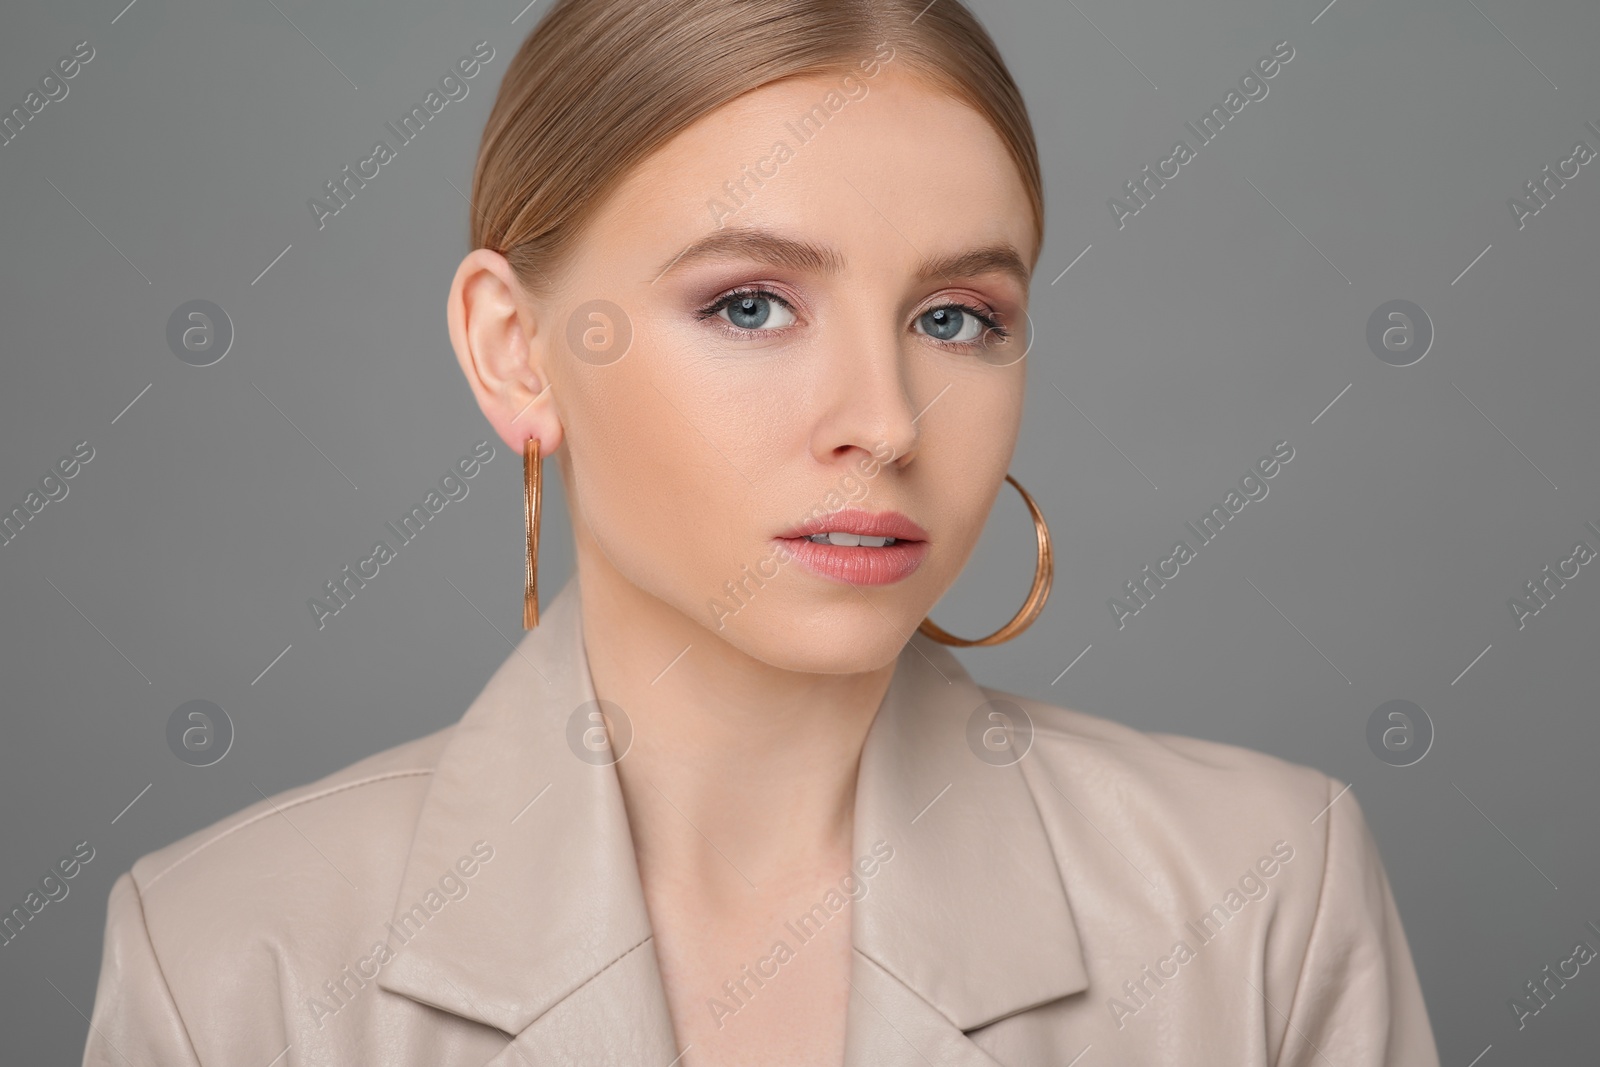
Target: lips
pixel 865 523
pixel 859 565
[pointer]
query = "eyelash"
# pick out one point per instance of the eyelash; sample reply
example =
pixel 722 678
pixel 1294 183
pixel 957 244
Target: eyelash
pixel 727 299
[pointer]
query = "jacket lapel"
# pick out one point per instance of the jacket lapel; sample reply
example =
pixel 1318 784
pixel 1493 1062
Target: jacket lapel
pixel 965 924
pixel 554 927
pixel 968 922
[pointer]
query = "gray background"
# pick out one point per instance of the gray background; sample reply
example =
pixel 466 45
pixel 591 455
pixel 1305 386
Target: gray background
pixel 1223 318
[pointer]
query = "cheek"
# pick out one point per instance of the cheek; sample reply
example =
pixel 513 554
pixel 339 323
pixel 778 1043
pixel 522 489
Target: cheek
pixel 961 479
pixel 669 459
pixel 966 451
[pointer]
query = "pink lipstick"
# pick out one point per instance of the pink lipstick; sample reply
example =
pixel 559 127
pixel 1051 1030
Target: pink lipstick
pixel 858 547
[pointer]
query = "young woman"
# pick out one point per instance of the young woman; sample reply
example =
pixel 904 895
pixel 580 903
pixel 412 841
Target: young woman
pixel 755 273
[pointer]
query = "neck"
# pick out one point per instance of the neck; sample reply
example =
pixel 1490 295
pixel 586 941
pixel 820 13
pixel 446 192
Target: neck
pixel 739 772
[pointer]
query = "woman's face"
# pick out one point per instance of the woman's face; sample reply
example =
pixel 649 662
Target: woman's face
pixel 750 338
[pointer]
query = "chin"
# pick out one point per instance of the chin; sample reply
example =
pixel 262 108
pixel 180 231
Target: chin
pixel 824 641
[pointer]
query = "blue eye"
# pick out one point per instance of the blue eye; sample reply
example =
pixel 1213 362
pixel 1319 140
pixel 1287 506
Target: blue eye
pixel 751 309
pixel 954 322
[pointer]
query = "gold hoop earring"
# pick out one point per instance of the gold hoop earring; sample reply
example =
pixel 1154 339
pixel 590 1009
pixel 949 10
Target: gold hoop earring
pixel 533 493
pixel 1043 574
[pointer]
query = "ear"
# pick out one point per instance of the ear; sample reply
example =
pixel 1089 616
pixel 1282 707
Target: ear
pixel 501 346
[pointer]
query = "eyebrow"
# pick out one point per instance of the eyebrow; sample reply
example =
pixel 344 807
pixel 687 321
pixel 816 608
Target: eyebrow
pixel 768 247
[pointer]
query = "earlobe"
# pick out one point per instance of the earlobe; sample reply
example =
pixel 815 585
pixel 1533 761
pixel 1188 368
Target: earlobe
pixel 499 345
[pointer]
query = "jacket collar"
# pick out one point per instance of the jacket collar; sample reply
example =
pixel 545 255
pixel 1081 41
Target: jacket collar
pixel 966 923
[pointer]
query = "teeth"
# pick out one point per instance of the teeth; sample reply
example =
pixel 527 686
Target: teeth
pixel 850 540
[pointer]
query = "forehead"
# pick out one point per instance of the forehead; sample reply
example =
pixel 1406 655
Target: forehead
pixel 846 159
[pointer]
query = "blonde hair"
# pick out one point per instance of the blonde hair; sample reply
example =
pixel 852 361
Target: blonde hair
pixel 600 84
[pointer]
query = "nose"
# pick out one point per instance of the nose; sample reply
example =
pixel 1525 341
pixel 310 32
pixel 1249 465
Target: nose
pixel 866 404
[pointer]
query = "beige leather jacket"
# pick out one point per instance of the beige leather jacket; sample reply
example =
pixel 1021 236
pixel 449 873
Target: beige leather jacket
pixel 471 898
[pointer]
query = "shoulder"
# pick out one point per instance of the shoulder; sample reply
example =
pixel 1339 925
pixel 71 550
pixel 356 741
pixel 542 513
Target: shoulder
pixel 1184 813
pixel 1175 848
pixel 342 838
pixel 1191 774
pixel 253 907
